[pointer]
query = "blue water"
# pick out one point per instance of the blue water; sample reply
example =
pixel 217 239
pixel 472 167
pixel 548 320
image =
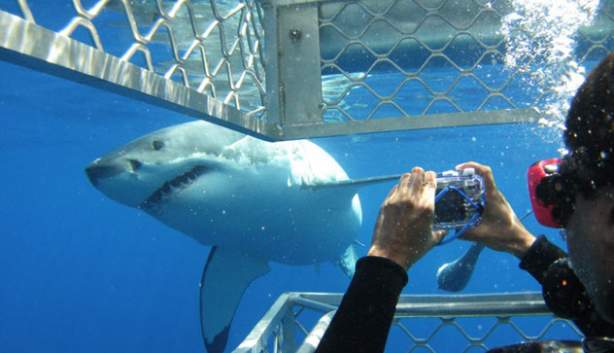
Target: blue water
pixel 81 273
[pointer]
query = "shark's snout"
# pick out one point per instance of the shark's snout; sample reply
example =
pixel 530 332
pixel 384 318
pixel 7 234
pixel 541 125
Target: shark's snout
pixel 123 179
pixel 102 169
pixel 97 171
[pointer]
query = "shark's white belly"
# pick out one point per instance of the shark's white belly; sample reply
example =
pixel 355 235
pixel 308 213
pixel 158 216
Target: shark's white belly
pixel 262 216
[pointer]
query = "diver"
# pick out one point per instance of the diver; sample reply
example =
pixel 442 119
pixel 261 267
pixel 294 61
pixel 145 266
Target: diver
pixel 578 195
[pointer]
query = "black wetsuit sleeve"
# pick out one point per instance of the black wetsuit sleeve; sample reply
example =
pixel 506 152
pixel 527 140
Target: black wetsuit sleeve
pixel 563 292
pixel 362 322
pixel 539 257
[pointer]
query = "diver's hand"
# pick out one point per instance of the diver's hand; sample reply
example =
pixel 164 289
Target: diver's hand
pixel 403 229
pixel 500 229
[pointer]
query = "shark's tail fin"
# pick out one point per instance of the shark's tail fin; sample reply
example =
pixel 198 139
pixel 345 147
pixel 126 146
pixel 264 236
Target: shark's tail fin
pixel 454 276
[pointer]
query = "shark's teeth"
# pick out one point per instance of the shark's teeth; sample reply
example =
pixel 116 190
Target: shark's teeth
pixel 171 186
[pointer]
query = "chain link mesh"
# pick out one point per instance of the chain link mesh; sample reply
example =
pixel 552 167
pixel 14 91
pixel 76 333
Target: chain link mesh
pixel 399 58
pixel 445 334
pixel 439 333
pixel 214 47
pixel 378 59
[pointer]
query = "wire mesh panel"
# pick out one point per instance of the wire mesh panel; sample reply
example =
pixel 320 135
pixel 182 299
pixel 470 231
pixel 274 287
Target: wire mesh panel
pixel 286 69
pixel 433 59
pixel 203 56
pixel 467 334
pixel 213 47
pixel 407 43
pixel 421 324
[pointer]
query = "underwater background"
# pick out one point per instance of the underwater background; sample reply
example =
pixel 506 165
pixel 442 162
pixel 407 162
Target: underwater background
pixel 81 273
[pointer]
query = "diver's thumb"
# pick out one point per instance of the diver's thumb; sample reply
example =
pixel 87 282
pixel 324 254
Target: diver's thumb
pixel 438 235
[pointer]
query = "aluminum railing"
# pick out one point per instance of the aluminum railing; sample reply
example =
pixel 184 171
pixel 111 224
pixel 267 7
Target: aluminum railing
pixel 286 69
pixel 471 321
pixel 199 58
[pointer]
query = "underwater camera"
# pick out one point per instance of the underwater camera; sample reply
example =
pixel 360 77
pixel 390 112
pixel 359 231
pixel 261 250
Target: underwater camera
pixel 459 201
pixel 459 198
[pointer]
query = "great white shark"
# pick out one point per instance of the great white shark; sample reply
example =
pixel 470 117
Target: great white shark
pixel 248 199
pixel 252 201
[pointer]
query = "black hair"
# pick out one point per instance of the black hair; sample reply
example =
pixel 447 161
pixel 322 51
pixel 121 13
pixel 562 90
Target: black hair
pixel 590 131
pixel 589 138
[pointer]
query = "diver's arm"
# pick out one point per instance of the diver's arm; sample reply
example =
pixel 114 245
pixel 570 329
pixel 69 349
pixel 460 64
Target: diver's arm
pixel 563 292
pixel 362 322
pixel 402 235
pixel 539 256
pixel 499 228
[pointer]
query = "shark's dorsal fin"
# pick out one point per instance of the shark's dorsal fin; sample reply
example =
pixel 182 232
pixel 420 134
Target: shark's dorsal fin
pixel 225 278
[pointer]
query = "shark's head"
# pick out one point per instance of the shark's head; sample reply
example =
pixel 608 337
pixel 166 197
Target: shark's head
pixel 148 167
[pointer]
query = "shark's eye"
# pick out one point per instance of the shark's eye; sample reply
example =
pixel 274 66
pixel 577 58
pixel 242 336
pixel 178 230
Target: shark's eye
pixel 157 145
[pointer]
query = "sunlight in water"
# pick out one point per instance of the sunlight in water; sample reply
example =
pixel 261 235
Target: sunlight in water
pixel 540 44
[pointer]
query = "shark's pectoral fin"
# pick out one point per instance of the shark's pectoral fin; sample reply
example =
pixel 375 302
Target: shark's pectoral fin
pixel 225 277
pixel 347 261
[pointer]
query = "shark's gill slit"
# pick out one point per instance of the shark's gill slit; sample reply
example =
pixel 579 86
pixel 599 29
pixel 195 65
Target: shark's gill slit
pixel 179 182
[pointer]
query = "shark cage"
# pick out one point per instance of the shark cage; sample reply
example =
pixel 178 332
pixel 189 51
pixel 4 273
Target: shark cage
pixel 290 69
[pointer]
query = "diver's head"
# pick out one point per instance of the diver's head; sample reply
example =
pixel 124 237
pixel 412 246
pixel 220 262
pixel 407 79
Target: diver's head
pixel 587 174
pixel 589 134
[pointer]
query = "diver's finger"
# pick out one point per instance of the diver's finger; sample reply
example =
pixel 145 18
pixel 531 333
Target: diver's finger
pixel 429 185
pixel 405 182
pixel 417 180
pixel 430 179
pixel 438 235
pixel 483 170
pixel 392 191
pixel 475 234
pixel 468 235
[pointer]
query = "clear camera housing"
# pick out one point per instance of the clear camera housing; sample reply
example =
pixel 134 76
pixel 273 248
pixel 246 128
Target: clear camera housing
pixel 459 199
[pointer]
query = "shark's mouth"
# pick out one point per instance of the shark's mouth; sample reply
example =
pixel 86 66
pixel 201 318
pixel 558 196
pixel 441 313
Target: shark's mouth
pixel 168 188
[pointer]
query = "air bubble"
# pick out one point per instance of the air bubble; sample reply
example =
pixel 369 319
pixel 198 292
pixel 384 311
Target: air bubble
pixel 541 33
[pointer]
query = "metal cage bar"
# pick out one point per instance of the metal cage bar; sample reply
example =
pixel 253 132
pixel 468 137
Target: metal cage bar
pixel 27 44
pixel 203 60
pixel 405 41
pixel 289 69
pixel 449 310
